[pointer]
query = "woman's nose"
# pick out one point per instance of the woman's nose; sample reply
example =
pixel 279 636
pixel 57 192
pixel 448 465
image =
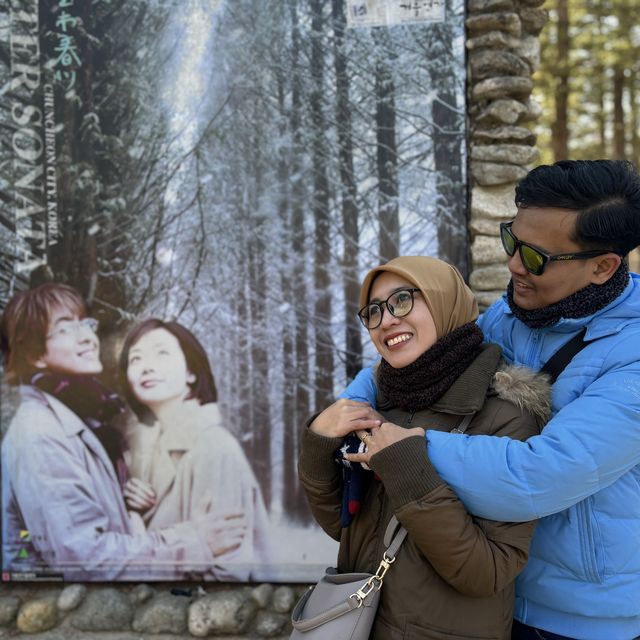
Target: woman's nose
pixel 388 320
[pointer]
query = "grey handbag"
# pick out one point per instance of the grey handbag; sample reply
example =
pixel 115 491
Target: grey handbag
pixel 342 606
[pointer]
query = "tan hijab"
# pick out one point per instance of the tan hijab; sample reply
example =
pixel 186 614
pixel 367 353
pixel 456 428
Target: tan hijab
pixel 448 298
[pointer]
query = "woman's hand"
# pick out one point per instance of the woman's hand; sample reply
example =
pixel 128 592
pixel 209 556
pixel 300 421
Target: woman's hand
pixel 343 417
pixel 139 495
pixel 380 437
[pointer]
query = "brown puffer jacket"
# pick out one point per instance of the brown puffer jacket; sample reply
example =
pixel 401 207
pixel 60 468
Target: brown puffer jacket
pixel 453 578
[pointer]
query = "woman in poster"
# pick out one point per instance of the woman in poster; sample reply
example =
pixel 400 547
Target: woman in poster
pixel 454 575
pixel 182 458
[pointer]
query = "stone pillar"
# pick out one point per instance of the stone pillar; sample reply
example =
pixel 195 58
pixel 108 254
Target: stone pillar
pixel 504 51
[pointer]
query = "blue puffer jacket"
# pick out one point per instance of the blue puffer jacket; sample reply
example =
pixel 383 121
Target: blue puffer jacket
pixel 581 476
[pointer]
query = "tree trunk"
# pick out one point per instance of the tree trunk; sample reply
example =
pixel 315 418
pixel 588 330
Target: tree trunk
pixel 560 128
pixel 295 501
pixel 320 209
pixel 351 284
pixel 387 160
pixel 619 151
pixel 448 138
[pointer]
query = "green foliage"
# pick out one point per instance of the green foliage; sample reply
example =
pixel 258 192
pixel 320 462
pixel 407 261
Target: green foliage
pixel 604 36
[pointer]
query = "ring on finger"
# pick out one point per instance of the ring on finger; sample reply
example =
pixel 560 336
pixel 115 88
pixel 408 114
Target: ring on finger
pixel 365 436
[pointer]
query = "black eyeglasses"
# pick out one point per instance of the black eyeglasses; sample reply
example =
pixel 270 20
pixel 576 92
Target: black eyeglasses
pixel 399 304
pixel 534 260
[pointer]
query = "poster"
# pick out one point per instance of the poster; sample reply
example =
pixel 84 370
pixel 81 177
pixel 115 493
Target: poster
pixel 234 168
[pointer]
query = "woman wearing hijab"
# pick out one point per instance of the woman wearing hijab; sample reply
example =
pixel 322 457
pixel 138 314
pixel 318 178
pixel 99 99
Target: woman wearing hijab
pixel 453 577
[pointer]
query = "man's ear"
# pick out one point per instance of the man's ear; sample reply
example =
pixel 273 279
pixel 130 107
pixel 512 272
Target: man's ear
pixel 604 267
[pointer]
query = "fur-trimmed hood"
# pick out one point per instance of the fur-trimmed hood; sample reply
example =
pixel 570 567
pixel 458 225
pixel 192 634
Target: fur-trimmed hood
pixel 527 389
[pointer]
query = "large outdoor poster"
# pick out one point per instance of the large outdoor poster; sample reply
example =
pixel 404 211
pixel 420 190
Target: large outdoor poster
pixel 191 192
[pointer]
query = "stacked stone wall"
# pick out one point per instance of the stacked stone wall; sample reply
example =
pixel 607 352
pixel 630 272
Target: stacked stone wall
pixel 503 52
pixel 146 611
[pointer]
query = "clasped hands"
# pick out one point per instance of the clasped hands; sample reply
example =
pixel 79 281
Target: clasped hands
pixel 349 416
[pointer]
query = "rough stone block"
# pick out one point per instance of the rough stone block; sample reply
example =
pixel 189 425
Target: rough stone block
pixel 141 593
pixel 491 278
pixel 505 110
pixel 262 595
pixel 495 203
pixel 37 615
pixel 507 21
pixel 506 134
pixel 490 63
pixel 492 40
pixel 491 173
pixel 487 6
pixel 71 597
pixel 487 250
pixel 534 111
pixel 528 48
pixel 522 154
pixel 269 624
pixel 533 19
pixel 9 606
pixel 104 610
pixel 501 87
pixel 227 612
pixel 486 227
pixel 165 613
pixel 283 599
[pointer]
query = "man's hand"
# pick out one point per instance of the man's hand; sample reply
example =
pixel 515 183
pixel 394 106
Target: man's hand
pixel 345 416
pixel 381 437
pixel 223 532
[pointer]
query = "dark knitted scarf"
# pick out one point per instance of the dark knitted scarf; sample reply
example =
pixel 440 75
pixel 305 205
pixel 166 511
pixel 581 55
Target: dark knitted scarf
pixel 580 304
pixel 414 387
pixel 95 405
pixel 418 385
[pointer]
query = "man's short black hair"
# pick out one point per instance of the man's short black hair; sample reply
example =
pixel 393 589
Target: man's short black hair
pixel 605 193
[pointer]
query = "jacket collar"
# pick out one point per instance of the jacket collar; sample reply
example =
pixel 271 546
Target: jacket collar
pixel 469 392
pixel 70 423
pixel 184 438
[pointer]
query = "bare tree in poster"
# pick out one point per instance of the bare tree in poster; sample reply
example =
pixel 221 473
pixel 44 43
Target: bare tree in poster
pixel 386 150
pixel 320 208
pixel 448 141
pixel 348 195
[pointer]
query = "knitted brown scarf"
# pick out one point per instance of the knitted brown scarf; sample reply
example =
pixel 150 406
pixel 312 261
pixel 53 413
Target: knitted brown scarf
pixel 418 385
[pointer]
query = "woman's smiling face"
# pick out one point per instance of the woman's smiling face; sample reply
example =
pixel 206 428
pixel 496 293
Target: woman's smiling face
pixel 157 369
pixel 401 341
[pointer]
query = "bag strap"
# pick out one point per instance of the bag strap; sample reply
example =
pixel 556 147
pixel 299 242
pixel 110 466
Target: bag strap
pixel 464 423
pixel 357 599
pixel 338 610
pixel 556 364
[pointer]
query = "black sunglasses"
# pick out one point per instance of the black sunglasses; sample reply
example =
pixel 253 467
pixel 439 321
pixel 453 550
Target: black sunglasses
pixel 399 304
pixel 534 260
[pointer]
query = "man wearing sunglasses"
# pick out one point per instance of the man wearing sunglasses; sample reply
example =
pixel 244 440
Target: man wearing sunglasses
pixel 566 248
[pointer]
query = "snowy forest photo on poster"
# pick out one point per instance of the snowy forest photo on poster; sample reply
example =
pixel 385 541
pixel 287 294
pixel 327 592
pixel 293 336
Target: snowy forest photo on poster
pixel 235 167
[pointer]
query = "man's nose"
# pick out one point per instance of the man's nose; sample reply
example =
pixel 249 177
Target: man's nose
pixel 85 334
pixel 514 264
